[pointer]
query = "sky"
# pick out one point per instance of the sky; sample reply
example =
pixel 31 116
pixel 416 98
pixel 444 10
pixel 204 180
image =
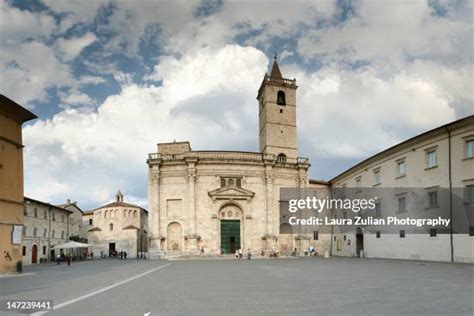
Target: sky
pixel 109 80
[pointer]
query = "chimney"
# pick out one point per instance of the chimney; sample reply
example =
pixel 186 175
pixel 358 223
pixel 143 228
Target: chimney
pixel 68 201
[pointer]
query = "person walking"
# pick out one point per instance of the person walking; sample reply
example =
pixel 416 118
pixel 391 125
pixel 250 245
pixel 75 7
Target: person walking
pixel 236 254
pixel 69 260
pixel 124 255
pixel 92 256
pixel 249 254
pixel 58 259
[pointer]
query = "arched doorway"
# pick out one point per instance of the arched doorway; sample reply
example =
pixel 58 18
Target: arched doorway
pixel 174 237
pixel 230 217
pixel 359 241
pixel 34 254
pixel 286 239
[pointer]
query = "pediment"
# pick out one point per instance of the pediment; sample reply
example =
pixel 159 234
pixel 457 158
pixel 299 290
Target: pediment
pixel 231 193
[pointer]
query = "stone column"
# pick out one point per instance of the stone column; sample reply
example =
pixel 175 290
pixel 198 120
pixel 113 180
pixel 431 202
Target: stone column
pixel 154 211
pixel 269 204
pixel 191 175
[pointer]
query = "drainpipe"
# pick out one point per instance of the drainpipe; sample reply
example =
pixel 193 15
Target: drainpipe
pixel 450 195
pixel 49 233
pixel 332 226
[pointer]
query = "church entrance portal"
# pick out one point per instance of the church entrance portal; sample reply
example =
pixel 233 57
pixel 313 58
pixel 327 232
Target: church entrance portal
pixel 230 236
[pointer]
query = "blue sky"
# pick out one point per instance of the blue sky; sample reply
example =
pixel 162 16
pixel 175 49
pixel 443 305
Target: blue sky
pixel 110 79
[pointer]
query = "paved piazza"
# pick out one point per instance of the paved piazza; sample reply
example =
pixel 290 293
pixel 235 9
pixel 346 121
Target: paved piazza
pixel 303 286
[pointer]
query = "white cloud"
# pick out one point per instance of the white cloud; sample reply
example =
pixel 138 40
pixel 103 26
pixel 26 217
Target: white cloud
pixel 28 69
pixel 93 148
pixel 71 48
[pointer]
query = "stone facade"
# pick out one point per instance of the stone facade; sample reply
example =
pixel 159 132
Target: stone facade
pixel 220 201
pixel 46 226
pixel 12 116
pixel 451 148
pixel 76 228
pixel 117 226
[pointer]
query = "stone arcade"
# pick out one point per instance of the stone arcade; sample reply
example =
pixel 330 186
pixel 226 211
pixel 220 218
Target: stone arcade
pixel 220 201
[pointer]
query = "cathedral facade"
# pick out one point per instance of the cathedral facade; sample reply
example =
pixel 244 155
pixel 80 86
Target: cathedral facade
pixel 215 202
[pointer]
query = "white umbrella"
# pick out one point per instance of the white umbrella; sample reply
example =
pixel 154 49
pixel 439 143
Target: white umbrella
pixel 71 245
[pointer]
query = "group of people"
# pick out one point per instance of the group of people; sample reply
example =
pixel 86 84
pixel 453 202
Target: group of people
pixel 240 253
pixel 142 255
pixel 123 254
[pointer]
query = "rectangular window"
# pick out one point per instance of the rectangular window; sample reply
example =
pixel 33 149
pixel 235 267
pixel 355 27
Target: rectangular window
pixel 358 182
pixel 24 230
pixel 433 232
pixel 433 199
pixel 23 252
pixel 377 177
pixel 469 194
pixel 378 209
pixel 345 237
pixel 316 235
pixel 431 159
pixel 44 250
pixel 45 215
pixel 44 232
pixel 35 212
pixel 54 216
pixel 402 234
pixel 470 148
pixel 401 168
pixel 377 234
pixel 402 208
pixel 90 221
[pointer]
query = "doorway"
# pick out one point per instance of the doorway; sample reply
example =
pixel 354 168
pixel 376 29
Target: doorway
pixel 359 242
pixel 34 254
pixel 111 249
pixel 230 236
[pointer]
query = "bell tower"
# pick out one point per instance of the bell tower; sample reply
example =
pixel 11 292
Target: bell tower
pixel 277 115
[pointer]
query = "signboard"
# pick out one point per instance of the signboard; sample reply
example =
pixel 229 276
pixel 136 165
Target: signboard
pixel 16 234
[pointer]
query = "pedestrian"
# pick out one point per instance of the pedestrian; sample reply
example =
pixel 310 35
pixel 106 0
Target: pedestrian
pixel 124 255
pixel 236 254
pixel 92 256
pixel 121 254
pixel 241 253
pixel 58 259
pixel 273 251
pixel 249 254
pixel 202 250
pixel 311 250
pixel 69 260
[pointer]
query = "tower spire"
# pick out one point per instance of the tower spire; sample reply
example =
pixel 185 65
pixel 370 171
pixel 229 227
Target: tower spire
pixel 275 73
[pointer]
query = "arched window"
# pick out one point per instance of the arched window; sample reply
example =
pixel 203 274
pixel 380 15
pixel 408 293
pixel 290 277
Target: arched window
pixel 222 183
pixel 111 227
pixel 129 213
pixel 281 98
pixel 124 213
pixel 281 158
pixel 230 182
pixel 135 214
pixel 239 183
